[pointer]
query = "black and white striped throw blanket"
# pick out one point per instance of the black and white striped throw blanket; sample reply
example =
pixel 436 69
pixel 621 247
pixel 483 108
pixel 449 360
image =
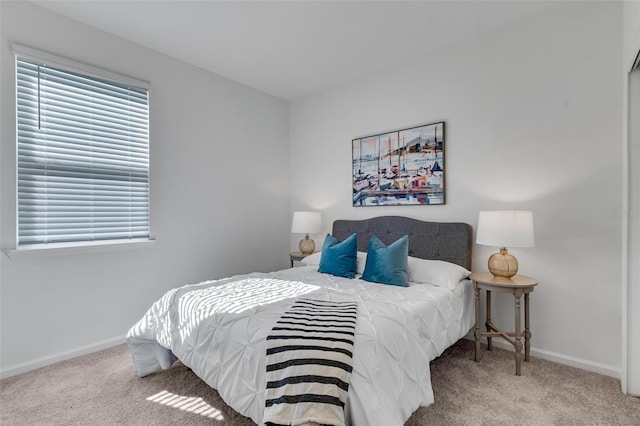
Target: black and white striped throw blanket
pixel 309 354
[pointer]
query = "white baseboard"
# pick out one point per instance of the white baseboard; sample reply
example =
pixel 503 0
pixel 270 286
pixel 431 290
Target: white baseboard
pixel 595 367
pixel 60 356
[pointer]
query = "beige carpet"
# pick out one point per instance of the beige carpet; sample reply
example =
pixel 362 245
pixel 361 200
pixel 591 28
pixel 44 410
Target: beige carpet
pixel 102 389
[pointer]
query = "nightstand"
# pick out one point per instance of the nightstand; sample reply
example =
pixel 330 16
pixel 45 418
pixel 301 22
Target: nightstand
pixel 517 285
pixel 296 256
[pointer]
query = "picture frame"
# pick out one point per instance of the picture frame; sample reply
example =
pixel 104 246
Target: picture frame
pixel 400 167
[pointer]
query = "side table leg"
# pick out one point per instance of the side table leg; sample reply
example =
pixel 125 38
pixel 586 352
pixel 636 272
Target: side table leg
pixel 488 321
pixel 518 343
pixel 527 331
pixel 476 332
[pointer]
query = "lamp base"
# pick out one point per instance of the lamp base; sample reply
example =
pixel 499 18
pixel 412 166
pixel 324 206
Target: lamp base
pixel 307 245
pixel 503 264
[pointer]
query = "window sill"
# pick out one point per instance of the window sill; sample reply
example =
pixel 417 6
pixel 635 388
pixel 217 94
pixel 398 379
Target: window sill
pixel 45 250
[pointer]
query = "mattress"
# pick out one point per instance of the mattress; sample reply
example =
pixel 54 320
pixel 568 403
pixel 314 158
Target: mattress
pixel 218 329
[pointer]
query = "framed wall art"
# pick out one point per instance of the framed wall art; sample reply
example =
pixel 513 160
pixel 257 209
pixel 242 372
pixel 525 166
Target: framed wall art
pixel 401 167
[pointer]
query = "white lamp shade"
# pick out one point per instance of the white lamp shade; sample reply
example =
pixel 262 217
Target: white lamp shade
pixel 306 223
pixel 505 228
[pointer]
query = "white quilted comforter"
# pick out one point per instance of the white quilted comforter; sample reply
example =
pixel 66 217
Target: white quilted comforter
pixel 218 329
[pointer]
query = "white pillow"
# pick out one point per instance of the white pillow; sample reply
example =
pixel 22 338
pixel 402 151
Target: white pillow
pixel 361 258
pixel 436 272
pixel 312 259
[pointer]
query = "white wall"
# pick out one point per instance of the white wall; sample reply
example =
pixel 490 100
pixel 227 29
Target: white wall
pixel 631 31
pixel 631 300
pixel 219 197
pixel 631 207
pixel 534 120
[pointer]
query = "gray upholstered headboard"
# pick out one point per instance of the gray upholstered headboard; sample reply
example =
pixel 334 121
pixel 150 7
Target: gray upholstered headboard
pixel 428 240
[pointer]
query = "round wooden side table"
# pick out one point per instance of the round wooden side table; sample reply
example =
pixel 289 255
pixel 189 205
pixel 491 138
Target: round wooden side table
pixel 517 285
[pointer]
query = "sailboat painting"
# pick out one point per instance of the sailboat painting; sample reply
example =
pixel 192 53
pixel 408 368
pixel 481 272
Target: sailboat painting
pixel 401 167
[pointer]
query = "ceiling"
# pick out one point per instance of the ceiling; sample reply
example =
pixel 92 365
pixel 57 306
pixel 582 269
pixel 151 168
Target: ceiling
pixel 292 49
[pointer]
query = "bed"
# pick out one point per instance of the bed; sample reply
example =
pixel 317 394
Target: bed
pixel 219 328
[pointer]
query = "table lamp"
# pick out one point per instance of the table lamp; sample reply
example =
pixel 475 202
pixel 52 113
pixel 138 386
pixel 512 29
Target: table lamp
pixel 502 228
pixel 306 223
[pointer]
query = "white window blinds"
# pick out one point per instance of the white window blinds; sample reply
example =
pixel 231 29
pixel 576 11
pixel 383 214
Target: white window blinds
pixel 83 157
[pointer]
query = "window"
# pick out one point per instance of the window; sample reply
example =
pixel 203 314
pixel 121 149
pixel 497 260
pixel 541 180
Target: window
pixel 83 153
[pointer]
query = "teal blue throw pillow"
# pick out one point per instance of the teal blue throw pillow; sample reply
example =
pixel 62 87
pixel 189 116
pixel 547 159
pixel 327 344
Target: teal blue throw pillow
pixel 387 264
pixel 339 258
